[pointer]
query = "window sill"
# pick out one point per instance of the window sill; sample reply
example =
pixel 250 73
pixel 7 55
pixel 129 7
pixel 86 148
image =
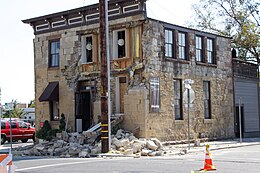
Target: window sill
pixel 208 121
pixel 206 64
pixel 179 122
pixel 119 59
pixel 178 60
pixel 53 68
pixel 87 63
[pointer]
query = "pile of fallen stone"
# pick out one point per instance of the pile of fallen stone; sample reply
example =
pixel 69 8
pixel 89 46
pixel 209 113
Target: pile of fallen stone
pixel 86 145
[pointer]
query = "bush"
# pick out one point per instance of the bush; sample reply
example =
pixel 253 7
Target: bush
pixel 45 132
pixel 62 123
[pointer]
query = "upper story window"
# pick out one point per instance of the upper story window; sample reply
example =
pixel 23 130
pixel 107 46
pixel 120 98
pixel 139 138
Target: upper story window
pixel 154 94
pixel 210 51
pixel 87 49
pixel 178 99
pixel 199 49
pixel 168 43
pixel 182 45
pixel 119 44
pixel 54 59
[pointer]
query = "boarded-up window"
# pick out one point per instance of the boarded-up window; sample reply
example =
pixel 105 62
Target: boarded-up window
pixel 178 99
pixel 154 94
pixel 206 93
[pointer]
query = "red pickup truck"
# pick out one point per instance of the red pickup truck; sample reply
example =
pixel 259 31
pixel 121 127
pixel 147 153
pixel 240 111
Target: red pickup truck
pixel 20 131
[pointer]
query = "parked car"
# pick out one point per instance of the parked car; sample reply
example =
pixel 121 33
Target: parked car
pixel 20 131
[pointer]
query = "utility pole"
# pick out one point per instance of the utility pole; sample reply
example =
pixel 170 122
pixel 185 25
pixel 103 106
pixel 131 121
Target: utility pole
pixel 105 123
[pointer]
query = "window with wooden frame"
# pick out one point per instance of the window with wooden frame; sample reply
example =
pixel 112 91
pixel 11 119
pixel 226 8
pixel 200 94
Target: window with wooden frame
pixel 119 44
pixel 178 99
pixel 154 94
pixel 54 55
pixel 54 110
pixel 169 43
pixel 182 46
pixel 199 49
pixel 206 98
pixel 89 47
pixel 210 51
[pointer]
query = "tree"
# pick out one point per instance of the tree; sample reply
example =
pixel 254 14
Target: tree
pixel 238 19
pixel 32 104
pixel 14 111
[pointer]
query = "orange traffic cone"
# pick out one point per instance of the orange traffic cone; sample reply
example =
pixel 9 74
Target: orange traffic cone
pixel 208 165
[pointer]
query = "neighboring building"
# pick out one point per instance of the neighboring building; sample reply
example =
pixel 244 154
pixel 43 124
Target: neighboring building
pixel 150 60
pixel 29 114
pixel 21 105
pixel 246 86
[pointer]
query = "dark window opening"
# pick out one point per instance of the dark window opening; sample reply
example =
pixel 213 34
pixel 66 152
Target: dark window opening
pixel 207 101
pixel 178 99
pixel 89 49
pixel 121 44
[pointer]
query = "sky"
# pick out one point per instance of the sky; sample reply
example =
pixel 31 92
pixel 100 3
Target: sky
pixel 16 45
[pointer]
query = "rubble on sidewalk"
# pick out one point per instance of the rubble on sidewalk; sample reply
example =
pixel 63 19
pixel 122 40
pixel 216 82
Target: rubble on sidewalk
pixel 86 144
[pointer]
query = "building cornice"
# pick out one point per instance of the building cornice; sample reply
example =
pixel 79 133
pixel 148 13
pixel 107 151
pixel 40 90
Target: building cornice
pixel 85 15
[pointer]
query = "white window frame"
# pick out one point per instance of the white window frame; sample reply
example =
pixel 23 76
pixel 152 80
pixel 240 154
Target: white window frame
pixel 199 48
pixel 168 43
pixel 210 51
pixel 182 45
pixel 83 48
pixel 115 43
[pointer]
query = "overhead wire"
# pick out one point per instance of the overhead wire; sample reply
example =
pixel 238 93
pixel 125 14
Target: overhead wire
pixel 167 10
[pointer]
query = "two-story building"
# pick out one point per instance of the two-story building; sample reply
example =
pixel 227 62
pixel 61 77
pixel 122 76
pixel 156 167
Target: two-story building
pixel 150 59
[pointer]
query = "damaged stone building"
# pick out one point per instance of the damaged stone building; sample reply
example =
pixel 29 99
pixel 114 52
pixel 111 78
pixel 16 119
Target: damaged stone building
pixel 150 59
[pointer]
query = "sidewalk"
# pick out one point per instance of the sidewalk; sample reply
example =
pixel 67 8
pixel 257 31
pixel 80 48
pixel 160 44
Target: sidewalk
pixel 214 145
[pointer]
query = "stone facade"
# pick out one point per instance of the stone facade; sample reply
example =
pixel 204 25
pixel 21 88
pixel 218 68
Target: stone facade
pixel 163 124
pixel 130 79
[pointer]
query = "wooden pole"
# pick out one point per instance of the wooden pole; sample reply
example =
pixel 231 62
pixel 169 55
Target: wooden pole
pixel 104 79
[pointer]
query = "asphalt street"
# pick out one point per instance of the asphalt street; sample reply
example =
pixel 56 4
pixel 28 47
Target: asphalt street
pixel 230 160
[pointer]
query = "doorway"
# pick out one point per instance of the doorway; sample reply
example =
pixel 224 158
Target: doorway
pixel 84 110
pixel 237 126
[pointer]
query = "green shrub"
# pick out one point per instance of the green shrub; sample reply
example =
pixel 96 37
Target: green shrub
pixel 45 132
pixel 62 123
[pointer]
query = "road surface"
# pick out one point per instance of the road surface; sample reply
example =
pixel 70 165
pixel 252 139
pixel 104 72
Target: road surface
pixel 235 160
